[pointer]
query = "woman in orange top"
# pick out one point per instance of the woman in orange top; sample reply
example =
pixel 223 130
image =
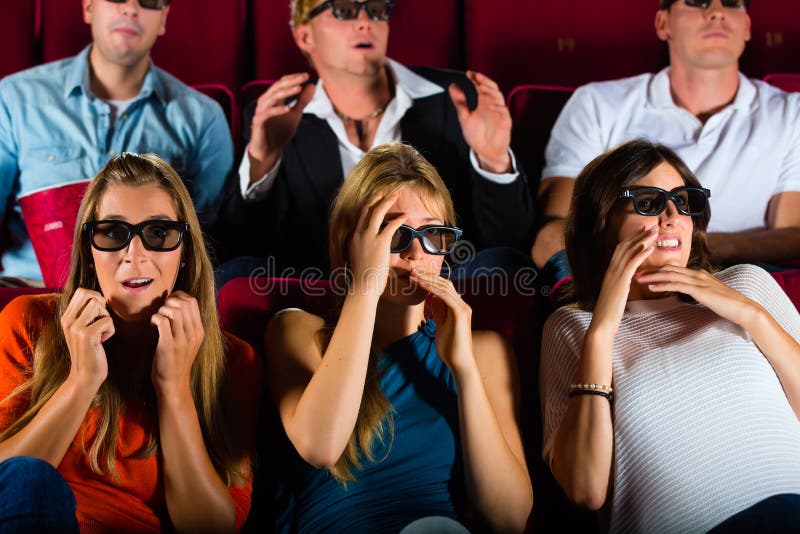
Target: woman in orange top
pixel 125 382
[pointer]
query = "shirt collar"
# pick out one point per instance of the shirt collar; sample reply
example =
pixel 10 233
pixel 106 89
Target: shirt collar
pixel 659 94
pixel 78 78
pixel 409 86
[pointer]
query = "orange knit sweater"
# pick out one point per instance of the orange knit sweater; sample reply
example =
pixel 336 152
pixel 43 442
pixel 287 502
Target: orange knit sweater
pixel 137 502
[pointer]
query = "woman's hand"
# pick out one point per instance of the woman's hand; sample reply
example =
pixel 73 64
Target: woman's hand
pixel 180 334
pixel 370 245
pixel 87 324
pixel 628 256
pixel 705 288
pixel 453 319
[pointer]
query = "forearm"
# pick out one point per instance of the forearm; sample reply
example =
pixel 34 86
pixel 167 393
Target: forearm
pixel 583 449
pixel 549 240
pixel 763 245
pixel 325 416
pixel 49 435
pixel 197 498
pixel 781 350
pixel 260 165
pixel 497 480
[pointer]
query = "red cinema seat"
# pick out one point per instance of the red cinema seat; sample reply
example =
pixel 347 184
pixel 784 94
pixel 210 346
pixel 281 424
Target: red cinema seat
pixel 790 282
pixel 63 31
pixel 789 82
pixel 252 90
pixel 569 43
pixel 775 42
pixel 204 42
pixel 422 33
pixel 7 294
pixel 18 36
pixel 534 109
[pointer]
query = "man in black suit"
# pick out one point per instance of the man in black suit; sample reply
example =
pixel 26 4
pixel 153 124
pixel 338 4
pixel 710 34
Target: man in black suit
pixel 299 154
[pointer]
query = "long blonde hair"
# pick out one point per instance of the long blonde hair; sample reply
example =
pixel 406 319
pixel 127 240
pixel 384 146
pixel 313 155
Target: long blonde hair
pixel 383 170
pixel 51 359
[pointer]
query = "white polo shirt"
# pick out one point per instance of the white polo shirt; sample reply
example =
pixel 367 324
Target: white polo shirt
pixel 745 153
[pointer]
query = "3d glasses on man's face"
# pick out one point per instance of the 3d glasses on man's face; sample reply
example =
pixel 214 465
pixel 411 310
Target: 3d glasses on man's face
pixel 146 4
pixel 379 10
pixel 703 4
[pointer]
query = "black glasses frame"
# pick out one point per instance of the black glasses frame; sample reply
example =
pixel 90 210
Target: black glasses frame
pixel 136 229
pixel 420 234
pixel 156 5
pixel 703 4
pixel 633 192
pixel 387 7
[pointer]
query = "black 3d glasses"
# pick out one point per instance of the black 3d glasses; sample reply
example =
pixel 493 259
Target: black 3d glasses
pixel 157 235
pixel 652 201
pixel 438 240
pixel 380 10
pixel 703 4
pixel 146 4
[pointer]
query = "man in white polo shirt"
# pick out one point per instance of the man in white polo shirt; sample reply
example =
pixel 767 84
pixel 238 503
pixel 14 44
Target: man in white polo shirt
pixel 741 137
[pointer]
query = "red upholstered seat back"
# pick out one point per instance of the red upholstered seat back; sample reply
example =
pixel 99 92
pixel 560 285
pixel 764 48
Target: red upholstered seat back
pixel 775 42
pixel 18 36
pixel 570 42
pixel 790 282
pixel 789 82
pixel 423 32
pixel 534 109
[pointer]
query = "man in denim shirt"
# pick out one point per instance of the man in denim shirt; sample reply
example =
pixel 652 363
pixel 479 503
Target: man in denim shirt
pixel 61 122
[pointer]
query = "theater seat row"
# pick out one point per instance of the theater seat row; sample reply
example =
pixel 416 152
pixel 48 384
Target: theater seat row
pixel 246 305
pixel 568 42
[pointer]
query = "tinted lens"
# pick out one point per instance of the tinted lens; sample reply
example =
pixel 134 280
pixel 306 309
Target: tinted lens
pixel 438 240
pixel 344 9
pixel 160 235
pixel 691 201
pixel 378 9
pixel 401 239
pixel 111 235
pixel 649 201
pixel 147 4
pixel 698 3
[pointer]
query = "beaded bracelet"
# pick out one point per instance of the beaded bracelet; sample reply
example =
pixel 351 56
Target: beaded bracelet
pixel 597 387
pixel 608 395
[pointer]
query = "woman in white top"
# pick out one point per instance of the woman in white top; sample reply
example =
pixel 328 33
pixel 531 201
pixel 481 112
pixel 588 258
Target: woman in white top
pixel 670 393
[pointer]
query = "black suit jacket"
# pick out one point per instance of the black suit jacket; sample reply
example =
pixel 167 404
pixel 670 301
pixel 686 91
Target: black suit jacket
pixel 291 223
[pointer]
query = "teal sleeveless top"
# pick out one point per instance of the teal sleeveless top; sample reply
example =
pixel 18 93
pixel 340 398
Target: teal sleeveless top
pixel 417 474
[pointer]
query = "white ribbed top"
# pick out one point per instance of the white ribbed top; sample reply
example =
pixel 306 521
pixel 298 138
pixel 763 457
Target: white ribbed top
pixel 702 427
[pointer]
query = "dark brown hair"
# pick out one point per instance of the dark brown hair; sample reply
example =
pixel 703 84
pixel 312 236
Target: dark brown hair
pixel 588 242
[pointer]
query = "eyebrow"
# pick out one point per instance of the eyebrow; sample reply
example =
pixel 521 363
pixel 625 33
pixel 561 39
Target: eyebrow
pixel 390 216
pixel 158 217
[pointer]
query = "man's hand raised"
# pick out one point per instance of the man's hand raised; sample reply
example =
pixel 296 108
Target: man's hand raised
pixel 274 122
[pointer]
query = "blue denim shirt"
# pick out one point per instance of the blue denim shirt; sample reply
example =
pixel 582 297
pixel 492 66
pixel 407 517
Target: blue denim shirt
pixel 53 130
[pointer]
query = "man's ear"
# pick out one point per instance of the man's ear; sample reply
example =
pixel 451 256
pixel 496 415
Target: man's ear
pixel 304 38
pixel 748 35
pixel 87 11
pixel 164 13
pixel 662 24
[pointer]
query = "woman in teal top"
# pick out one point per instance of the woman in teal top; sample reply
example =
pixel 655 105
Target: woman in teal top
pixel 368 399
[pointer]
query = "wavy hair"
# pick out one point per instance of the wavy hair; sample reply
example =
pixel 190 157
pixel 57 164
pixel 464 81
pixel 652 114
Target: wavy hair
pixel 51 359
pixel 383 170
